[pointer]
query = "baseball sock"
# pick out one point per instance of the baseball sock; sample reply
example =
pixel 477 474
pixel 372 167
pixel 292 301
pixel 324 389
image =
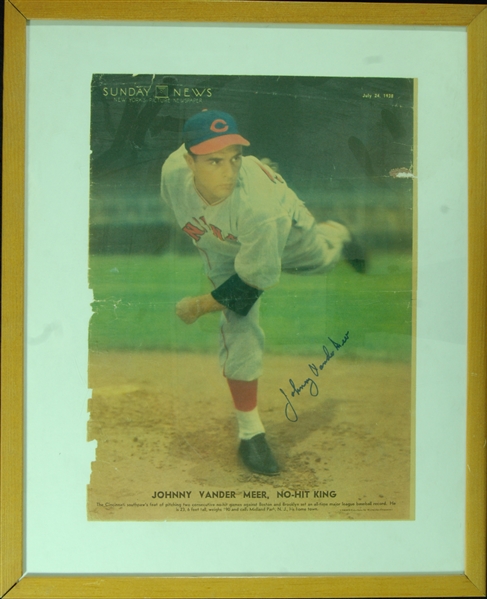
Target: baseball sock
pixel 244 394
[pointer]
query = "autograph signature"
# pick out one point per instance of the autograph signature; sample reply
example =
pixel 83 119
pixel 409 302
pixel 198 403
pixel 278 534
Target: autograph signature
pixel 310 383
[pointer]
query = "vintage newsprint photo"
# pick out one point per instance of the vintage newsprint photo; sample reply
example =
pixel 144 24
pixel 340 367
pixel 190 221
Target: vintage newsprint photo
pixel 252 260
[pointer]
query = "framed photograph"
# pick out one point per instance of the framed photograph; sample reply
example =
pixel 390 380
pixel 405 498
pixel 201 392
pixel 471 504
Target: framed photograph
pixel 333 177
pixel 243 307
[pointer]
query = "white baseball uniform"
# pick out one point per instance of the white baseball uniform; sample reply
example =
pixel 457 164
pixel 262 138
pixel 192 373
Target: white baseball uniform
pixel 261 229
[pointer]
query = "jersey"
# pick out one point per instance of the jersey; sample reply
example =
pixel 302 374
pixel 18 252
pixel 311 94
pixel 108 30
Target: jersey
pixel 263 227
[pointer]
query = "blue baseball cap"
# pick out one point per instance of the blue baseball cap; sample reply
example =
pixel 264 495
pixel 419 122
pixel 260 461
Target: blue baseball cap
pixel 211 130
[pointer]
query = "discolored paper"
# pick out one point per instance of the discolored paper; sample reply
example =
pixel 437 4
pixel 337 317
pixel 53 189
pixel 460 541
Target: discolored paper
pixel 336 395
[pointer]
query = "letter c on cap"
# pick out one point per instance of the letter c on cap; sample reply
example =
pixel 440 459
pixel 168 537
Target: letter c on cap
pixel 219 129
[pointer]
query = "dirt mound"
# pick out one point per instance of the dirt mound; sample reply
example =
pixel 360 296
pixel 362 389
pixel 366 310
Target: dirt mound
pixel 167 441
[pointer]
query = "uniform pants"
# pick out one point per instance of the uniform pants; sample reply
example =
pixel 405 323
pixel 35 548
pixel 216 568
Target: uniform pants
pixel 242 338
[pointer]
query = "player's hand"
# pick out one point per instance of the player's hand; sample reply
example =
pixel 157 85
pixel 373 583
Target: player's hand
pixel 188 309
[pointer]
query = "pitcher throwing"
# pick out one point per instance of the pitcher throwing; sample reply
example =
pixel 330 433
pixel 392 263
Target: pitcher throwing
pixel 248 227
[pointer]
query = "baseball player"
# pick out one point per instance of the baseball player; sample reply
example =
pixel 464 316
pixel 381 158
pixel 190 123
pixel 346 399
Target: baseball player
pixel 248 227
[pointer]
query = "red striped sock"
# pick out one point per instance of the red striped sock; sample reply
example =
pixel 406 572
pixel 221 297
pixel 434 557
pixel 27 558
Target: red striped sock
pixel 244 394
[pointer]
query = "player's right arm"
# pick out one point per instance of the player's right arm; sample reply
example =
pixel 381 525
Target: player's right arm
pixel 234 294
pixel 263 229
pixel 189 309
pixel 262 233
pixel 257 265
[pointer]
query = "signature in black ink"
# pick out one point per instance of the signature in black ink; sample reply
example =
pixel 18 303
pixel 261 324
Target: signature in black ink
pixel 310 383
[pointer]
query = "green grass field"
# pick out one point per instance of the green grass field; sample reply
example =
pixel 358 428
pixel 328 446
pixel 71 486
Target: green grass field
pixel 135 298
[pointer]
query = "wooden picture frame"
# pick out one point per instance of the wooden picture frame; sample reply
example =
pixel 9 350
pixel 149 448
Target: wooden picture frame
pixel 14 582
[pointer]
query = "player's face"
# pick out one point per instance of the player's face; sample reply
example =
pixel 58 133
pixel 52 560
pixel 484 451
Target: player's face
pixel 215 175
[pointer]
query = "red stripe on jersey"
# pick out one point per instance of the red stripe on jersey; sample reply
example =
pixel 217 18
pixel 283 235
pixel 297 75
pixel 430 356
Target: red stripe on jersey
pixel 273 179
pixel 209 263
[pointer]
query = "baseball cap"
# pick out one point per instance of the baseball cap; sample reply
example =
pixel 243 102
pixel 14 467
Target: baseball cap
pixel 211 130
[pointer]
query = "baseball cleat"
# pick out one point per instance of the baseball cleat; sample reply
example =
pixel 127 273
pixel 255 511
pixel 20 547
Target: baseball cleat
pixel 355 255
pixel 257 455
